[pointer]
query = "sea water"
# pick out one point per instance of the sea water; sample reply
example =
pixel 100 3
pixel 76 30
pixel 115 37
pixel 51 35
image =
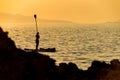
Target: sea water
pixel 80 44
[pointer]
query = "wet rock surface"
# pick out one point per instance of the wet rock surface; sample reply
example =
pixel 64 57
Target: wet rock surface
pixel 16 64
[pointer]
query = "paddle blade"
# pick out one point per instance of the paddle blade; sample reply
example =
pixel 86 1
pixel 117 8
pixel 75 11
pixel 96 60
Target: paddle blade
pixel 35 16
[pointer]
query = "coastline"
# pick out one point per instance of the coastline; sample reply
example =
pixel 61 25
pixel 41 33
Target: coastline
pixel 17 64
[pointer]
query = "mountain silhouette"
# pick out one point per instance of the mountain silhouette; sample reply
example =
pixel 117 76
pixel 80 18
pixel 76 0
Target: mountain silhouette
pixel 17 18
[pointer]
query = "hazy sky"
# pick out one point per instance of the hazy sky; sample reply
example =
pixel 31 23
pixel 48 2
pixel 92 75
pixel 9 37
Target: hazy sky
pixel 82 11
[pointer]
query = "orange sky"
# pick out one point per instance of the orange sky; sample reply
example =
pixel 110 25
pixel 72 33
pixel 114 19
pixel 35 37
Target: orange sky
pixel 81 11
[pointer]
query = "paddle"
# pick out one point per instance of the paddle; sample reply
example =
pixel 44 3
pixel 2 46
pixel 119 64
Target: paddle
pixel 35 16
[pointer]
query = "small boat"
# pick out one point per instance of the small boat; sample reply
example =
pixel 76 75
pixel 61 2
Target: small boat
pixel 42 49
pixel 47 50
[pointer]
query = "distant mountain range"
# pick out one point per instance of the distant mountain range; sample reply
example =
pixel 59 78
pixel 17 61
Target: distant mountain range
pixel 118 21
pixel 17 18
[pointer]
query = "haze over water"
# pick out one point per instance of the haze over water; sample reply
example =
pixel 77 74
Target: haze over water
pixel 76 43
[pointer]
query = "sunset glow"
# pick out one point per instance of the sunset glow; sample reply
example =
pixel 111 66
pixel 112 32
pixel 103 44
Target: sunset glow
pixel 82 11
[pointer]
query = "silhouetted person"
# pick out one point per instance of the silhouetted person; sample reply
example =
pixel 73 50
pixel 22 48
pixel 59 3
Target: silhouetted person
pixel 37 40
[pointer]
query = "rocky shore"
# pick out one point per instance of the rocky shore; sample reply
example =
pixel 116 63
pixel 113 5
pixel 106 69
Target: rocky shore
pixel 16 64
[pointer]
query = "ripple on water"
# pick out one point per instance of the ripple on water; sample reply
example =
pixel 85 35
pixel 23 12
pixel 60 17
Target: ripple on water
pixel 80 44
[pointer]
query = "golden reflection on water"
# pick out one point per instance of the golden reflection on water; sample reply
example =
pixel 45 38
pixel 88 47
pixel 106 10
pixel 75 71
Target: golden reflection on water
pixel 80 44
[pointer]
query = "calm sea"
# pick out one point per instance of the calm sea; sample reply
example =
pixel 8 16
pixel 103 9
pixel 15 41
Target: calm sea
pixel 80 44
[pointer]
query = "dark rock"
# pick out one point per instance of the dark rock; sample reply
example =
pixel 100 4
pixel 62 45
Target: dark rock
pixel 16 64
pixel 113 71
pixel 97 70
